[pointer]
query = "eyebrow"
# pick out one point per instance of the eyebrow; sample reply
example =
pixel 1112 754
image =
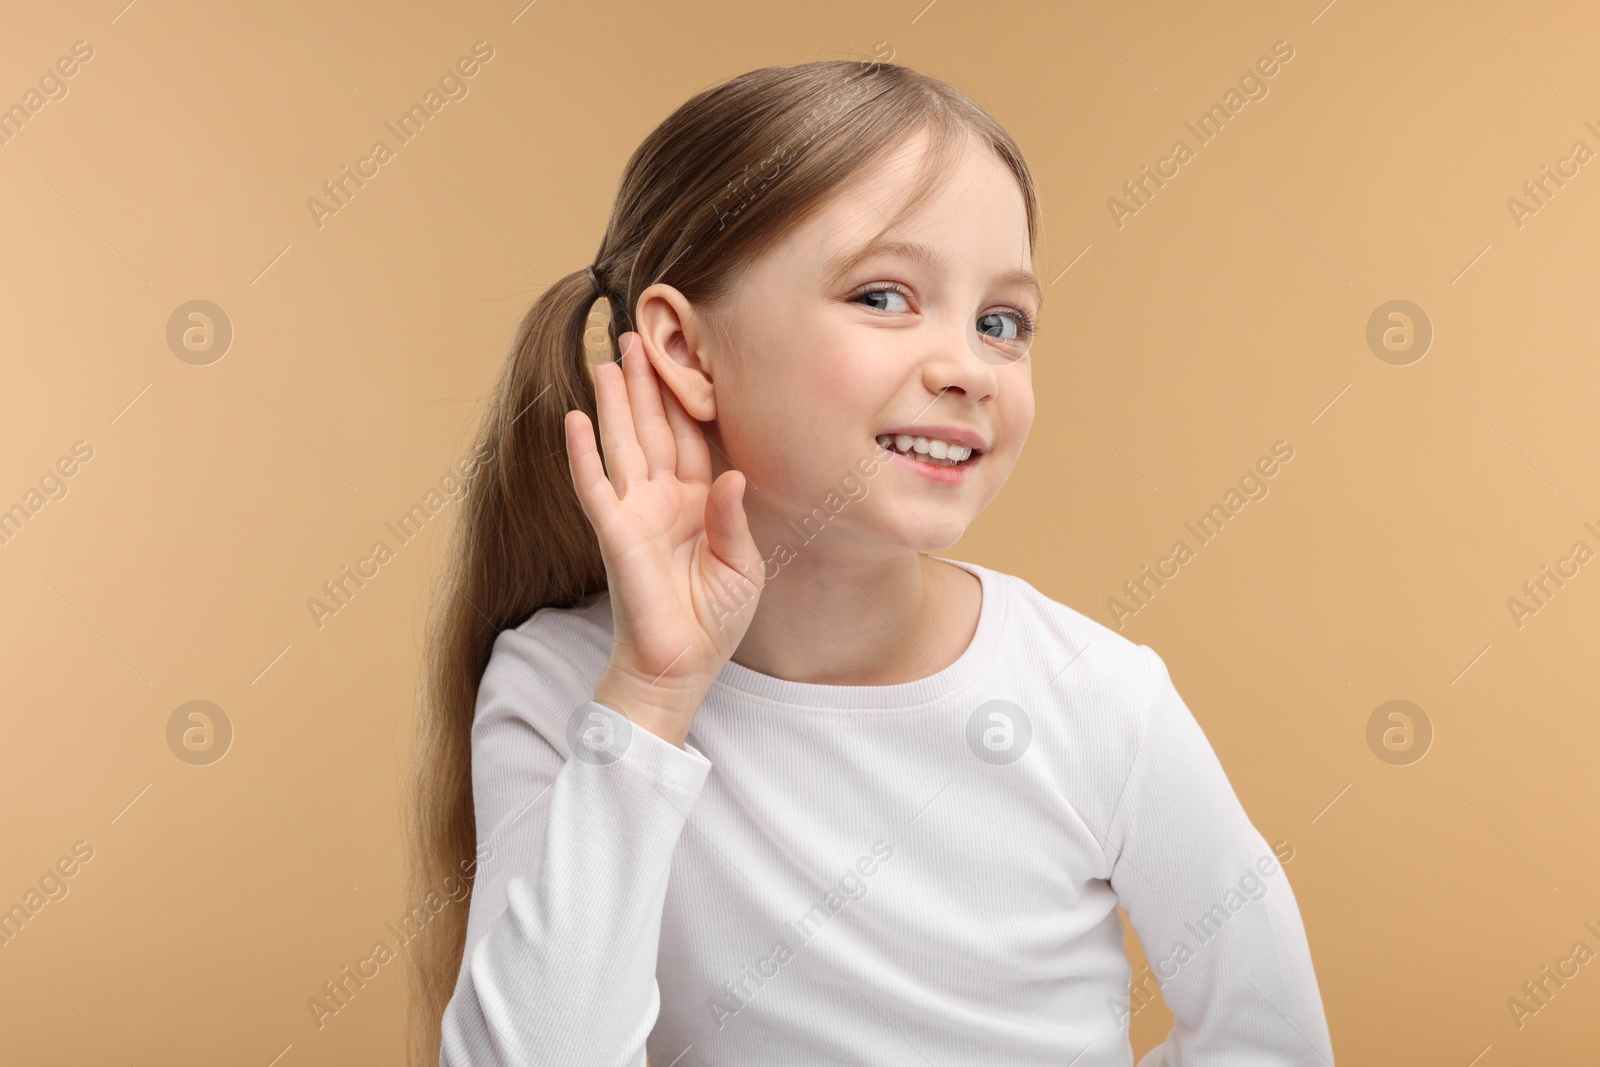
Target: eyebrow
pixel 914 250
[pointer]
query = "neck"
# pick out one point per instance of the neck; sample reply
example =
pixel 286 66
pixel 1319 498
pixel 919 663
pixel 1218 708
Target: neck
pixel 830 621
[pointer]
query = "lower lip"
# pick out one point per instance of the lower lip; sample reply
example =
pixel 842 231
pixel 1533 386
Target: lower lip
pixel 932 471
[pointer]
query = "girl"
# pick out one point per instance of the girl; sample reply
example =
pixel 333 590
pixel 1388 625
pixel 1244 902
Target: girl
pixel 743 773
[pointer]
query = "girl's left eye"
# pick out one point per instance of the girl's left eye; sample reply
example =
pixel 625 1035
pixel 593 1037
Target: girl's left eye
pixel 1024 322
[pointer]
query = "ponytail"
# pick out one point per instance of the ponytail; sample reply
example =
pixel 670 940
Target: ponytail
pixel 523 543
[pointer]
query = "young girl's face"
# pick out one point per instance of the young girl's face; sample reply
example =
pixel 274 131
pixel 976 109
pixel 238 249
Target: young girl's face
pixel 900 344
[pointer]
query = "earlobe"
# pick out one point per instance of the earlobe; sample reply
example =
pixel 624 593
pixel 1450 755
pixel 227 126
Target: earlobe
pixel 684 379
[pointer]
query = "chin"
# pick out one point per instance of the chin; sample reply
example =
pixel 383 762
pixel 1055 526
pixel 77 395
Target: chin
pixel 931 539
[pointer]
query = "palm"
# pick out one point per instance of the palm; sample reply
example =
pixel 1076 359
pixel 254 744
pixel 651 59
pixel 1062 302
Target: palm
pixel 680 562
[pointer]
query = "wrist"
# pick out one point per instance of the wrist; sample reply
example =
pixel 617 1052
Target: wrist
pixel 666 711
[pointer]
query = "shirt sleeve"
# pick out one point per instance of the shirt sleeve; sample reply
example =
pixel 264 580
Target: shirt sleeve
pixel 1212 906
pixel 578 812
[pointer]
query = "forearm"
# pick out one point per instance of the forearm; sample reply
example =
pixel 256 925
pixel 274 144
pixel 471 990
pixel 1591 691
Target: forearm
pixel 566 972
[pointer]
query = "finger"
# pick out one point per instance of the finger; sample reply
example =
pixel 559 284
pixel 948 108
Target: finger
pixel 624 461
pixel 650 425
pixel 595 492
pixel 694 459
pixel 728 527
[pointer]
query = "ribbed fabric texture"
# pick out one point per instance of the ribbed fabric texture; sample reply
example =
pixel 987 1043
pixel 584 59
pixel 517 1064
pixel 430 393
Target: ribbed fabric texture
pixel 923 873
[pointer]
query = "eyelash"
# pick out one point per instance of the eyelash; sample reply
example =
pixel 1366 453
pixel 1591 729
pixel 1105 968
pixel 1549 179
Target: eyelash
pixel 1027 328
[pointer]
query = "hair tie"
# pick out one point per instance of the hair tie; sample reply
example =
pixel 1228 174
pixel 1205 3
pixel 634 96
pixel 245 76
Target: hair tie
pixel 594 279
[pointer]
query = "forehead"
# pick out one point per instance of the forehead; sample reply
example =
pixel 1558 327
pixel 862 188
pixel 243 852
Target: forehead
pixel 974 215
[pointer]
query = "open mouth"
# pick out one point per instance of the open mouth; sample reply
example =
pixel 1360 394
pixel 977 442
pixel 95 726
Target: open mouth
pixel 928 450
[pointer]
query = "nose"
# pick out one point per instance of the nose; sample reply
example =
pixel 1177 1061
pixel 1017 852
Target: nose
pixel 967 361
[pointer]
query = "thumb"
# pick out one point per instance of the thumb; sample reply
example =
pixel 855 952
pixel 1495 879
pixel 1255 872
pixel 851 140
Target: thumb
pixel 728 528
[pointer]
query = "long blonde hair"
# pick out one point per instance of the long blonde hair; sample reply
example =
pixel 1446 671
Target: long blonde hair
pixel 716 183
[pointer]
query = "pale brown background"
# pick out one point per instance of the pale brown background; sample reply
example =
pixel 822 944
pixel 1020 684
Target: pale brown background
pixel 1228 314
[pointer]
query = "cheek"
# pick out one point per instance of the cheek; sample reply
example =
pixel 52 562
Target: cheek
pixel 799 399
pixel 1019 405
pixel 835 365
pixel 824 386
pixel 777 427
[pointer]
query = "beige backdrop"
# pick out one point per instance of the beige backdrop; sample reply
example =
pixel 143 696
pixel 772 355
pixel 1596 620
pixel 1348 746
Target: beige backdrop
pixel 180 509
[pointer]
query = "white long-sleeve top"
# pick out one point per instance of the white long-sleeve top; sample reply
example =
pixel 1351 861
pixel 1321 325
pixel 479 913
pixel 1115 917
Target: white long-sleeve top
pixel 921 873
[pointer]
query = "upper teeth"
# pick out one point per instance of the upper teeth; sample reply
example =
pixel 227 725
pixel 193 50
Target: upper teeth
pixel 931 446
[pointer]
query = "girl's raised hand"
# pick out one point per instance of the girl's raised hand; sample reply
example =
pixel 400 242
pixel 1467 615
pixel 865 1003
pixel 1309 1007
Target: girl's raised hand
pixel 683 571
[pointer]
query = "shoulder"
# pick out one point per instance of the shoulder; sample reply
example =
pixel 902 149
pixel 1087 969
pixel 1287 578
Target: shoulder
pixel 584 626
pixel 546 664
pixel 1075 649
pixel 1095 688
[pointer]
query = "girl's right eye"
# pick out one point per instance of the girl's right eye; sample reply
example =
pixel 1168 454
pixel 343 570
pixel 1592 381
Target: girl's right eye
pixel 888 289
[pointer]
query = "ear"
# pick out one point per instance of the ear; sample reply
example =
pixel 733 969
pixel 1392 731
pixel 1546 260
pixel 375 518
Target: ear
pixel 677 337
